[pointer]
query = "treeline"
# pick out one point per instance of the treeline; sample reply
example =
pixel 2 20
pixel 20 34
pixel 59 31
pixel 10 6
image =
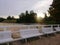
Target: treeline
pixel 9 19
pixel 26 17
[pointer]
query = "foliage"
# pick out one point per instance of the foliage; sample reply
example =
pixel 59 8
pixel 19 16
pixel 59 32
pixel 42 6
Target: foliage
pixel 1 19
pixel 54 10
pixel 48 20
pixel 10 20
pixel 27 17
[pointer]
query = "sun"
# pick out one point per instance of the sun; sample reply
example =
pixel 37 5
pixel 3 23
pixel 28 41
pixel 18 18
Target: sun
pixel 40 15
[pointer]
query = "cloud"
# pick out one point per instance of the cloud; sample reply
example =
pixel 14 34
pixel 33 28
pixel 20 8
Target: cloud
pixel 15 7
pixel 42 6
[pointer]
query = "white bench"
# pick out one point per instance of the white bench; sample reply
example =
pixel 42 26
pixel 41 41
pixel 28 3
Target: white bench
pixel 5 36
pixel 48 30
pixel 57 29
pixel 30 33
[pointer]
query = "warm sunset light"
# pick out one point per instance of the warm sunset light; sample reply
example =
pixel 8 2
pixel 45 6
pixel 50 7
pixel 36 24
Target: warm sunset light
pixel 40 15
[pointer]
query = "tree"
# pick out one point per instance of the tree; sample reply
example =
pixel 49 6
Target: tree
pixel 1 19
pixel 45 19
pixel 27 17
pixel 54 11
pixel 48 20
pixel 22 18
pixel 33 16
pixel 13 18
pixel 9 18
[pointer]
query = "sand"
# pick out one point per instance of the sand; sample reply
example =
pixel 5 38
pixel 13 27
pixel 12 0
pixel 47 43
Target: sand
pixel 50 40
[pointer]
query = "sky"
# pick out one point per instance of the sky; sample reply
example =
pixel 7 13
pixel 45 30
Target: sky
pixel 15 7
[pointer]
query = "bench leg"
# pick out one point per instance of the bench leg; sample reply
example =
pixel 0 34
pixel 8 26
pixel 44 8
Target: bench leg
pixel 26 42
pixel 40 37
pixel 7 43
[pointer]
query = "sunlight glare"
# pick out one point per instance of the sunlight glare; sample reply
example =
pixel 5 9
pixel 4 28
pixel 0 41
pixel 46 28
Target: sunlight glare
pixel 40 15
pixel 48 15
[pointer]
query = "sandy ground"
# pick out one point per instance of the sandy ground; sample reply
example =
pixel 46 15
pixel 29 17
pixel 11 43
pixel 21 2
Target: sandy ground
pixel 50 40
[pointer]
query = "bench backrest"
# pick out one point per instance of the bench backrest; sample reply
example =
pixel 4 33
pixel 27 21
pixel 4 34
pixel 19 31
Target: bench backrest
pixel 46 30
pixel 29 33
pixel 5 35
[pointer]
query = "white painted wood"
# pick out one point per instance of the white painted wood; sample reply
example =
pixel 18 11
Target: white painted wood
pixel 30 33
pixel 5 36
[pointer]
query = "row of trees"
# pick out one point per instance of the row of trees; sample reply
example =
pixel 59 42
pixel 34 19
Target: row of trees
pixel 26 17
pixel 9 19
